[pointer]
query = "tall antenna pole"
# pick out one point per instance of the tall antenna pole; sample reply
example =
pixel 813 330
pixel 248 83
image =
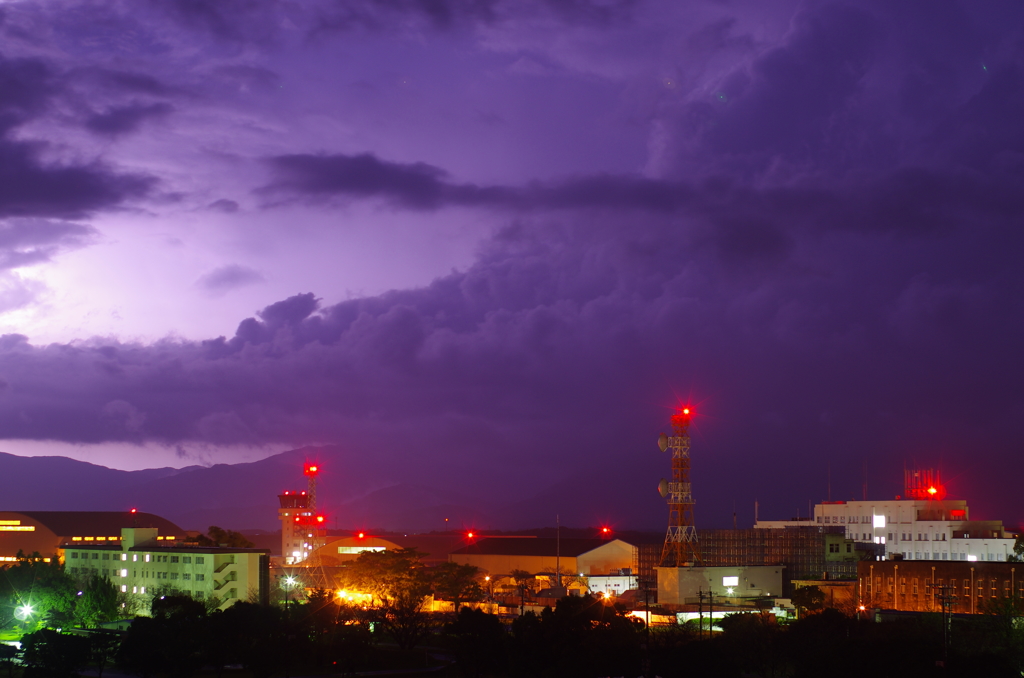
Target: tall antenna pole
pixel 680 549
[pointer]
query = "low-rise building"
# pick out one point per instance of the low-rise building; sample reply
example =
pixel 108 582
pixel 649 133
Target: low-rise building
pixel 500 556
pixel 141 563
pixel 44 532
pixel 921 586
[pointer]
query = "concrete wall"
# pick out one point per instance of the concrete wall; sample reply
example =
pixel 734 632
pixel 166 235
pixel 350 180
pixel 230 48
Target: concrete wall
pixel 680 585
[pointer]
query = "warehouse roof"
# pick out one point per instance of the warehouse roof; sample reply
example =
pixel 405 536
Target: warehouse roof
pixel 570 548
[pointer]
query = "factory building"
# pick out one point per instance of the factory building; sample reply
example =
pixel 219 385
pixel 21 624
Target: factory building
pixel 919 586
pixel 498 556
pixel 923 526
pixel 44 532
pixel 142 562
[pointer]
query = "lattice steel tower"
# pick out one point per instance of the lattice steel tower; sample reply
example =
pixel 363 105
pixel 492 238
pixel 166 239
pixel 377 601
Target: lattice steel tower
pixel 680 549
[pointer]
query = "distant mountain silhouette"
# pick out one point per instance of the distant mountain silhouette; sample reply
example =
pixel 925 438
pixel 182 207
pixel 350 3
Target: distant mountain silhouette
pixel 355 492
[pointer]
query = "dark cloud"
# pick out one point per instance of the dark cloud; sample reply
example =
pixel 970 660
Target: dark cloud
pixel 24 242
pixel 32 187
pixel 226 278
pixel 124 119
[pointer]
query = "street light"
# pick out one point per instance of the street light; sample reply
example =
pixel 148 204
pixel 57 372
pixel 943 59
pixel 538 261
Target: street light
pixel 23 612
pixel 289 583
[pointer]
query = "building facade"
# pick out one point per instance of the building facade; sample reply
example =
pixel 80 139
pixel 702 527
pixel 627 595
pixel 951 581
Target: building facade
pixel 44 532
pixel 142 563
pixel 920 586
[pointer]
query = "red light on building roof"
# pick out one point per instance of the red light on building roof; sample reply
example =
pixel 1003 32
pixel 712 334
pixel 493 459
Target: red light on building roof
pixel 319 519
pixel 469 534
pixel 361 535
pixel 135 510
pixel 605 530
pixel 932 491
pixel 296 519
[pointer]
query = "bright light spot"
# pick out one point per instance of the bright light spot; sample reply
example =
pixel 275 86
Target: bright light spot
pixel 135 510
pixel 487 578
pixel 877 521
pixel 470 535
pixel 361 535
pixel 932 490
pixel 730 581
pixel 972 559
pixel 862 608
pixel 605 530
pixel 686 410
pixel 319 519
pixel 22 612
pixel 730 590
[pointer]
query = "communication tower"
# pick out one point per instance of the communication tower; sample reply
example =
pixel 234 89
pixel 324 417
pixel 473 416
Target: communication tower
pixel 680 549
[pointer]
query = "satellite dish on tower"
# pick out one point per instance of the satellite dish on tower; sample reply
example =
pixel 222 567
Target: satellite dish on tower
pixel 663 488
pixel 663 442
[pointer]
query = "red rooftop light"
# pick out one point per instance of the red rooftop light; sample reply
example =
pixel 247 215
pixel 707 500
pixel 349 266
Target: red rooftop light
pixel 134 510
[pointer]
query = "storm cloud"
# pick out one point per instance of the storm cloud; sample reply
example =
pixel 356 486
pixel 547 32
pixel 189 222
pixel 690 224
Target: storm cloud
pixel 803 219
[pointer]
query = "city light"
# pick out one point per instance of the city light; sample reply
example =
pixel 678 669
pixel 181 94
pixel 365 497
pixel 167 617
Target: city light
pixel 23 612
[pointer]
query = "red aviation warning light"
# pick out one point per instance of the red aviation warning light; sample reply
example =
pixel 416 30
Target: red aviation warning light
pixel 311 470
pixel 319 519
pixel 135 510
pixel 469 535
pixel 361 535
pixel 923 484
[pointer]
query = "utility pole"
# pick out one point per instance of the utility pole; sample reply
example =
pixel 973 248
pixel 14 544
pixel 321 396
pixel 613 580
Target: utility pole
pixel 946 599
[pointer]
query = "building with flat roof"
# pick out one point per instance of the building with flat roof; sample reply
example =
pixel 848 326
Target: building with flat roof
pixel 44 532
pixel 921 524
pixel 497 556
pixel 921 586
pixel 142 562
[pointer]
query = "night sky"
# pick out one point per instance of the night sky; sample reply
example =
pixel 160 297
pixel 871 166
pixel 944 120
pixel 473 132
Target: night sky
pixel 491 245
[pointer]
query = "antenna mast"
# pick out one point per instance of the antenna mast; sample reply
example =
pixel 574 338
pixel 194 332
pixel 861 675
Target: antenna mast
pixel 680 549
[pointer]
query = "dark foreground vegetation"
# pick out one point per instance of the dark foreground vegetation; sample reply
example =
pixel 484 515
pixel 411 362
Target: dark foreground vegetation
pixel 580 637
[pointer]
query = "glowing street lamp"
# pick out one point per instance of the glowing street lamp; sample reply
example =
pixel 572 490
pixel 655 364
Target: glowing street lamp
pixel 23 612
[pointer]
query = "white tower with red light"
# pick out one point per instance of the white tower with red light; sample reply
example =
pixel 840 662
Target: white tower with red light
pixel 303 529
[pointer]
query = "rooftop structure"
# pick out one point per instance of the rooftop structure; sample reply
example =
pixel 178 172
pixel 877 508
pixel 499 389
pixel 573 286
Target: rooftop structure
pixel 926 526
pixel 43 532
pixel 143 562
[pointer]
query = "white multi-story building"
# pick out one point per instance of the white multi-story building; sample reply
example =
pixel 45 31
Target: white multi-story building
pixel 143 563
pixel 914 529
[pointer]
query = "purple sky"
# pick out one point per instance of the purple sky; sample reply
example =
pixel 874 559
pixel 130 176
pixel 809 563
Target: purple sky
pixel 491 243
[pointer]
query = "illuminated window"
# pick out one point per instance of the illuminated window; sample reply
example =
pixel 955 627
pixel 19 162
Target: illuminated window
pixel 124 588
pixel 878 521
pixel 730 581
pixel 147 557
pixel 135 557
pixel 142 590
pixel 124 573
pixel 124 556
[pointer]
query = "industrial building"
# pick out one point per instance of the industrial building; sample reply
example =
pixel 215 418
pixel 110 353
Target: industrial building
pixel 923 526
pixel 44 532
pixel 141 562
pixel 920 586
pixel 678 586
pixel 498 556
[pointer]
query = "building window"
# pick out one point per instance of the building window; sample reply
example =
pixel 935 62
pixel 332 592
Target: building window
pixel 903 585
pixel 95 556
pixel 174 559
pixel 146 558
pixel 913 585
pixel 124 588
pixel 174 576
pixel 186 559
pixel 74 554
pixel 186 576
pixel 124 573
pixel 200 577
pixel 200 560
pixel 124 556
